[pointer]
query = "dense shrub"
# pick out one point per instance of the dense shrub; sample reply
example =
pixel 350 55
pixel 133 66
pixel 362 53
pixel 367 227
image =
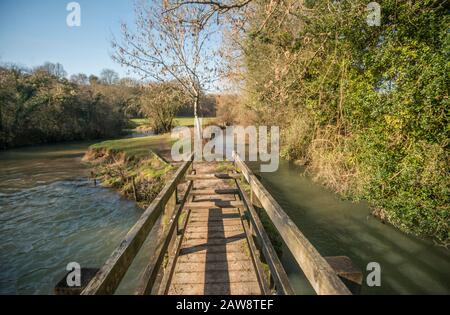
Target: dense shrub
pixel 367 105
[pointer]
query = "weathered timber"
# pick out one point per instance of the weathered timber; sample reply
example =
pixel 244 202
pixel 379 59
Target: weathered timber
pixel 317 270
pixel 148 278
pixel 214 204
pixel 208 192
pixel 212 176
pixel 350 274
pixel 276 268
pixel 109 276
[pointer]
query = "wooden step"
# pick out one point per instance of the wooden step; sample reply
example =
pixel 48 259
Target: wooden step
pixel 239 239
pixel 222 250
pixel 207 192
pixel 207 277
pixel 201 258
pixel 213 234
pixel 213 215
pixel 250 288
pixel 201 223
pixel 218 228
pixel 212 176
pixel 214 211
pixel 211 266
pixel 214 204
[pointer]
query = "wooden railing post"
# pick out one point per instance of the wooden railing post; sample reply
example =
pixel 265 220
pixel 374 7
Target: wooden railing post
pixel 112 272
pixel 317 270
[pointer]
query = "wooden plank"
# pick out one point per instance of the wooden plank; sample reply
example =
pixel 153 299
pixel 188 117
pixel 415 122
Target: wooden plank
pixel 232 214
pixel 276 268
pixel 109 276
pixel 221 242
pixel 235 247
pixel 202 257
pixel 213 212
pixel 214 204
pixel 226 223
pixel 207 192
pixel 348 271
pixel 150 273
pixel 319 273
pixel 256 261
pixel 219 228
pixel 219 276
pixel 224 266
pixel 212 176
pixel 213 234
pixel 249 288
pixel 173 259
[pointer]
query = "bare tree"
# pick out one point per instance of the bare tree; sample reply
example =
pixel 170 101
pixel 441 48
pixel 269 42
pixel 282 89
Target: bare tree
pixel 80 79
pixel 172 44
pixel 55 69
pixel 109 77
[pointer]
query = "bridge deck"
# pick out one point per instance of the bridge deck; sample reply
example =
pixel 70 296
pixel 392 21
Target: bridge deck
pixel 214 257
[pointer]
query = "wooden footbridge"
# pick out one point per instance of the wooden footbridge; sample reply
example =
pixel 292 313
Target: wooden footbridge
pixel 213 242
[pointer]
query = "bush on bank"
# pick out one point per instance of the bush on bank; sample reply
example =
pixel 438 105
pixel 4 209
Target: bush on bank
pixel 367 105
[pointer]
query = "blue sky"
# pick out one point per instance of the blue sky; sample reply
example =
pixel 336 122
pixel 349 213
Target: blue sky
pixel 35 31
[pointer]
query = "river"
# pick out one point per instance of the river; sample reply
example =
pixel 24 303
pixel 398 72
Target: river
pixel 51 214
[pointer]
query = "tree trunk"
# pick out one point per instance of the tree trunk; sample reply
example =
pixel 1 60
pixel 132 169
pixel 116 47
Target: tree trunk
pixel 196 102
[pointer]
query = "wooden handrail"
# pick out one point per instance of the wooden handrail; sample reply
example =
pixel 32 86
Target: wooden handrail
pixel 150 273
pixel 111 274
pixel 317 270
pixel 277 271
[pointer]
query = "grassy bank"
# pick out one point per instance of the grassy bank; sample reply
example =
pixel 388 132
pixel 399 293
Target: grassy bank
pixel 135 167
pixel 140 123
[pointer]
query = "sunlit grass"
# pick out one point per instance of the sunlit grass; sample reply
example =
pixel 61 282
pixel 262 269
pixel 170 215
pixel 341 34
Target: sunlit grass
pixel 189 121
pixel 179 121
pixel 134 147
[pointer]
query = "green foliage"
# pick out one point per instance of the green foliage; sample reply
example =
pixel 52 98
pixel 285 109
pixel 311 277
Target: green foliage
pixel 41 108
pixel 368 105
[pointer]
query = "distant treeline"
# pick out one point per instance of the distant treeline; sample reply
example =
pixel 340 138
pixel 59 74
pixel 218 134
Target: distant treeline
pixel 42 106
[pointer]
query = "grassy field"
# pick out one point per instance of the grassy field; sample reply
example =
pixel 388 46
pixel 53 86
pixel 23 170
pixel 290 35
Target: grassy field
pixel 189 121
pixel 137 147
pixel 138 122
pixel 179 121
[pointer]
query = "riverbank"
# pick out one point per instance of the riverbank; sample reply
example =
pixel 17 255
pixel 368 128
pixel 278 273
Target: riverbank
pixel 136 167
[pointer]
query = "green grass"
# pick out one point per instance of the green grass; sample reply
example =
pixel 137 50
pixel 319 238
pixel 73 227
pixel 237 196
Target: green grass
pixel 138 122
pixel 135 147
pixel 179 121
pixel 189 121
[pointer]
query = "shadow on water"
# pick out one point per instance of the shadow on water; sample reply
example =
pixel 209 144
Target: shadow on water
pixel 335 227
